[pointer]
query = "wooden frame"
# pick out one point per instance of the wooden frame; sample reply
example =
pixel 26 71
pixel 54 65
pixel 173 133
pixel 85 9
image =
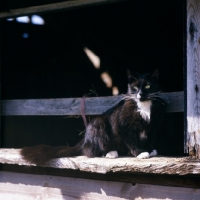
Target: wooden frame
pixel 53 7
pixel 179 172
pixel 189 181
pixel 29 186
pixel 0 81
pixel 193 78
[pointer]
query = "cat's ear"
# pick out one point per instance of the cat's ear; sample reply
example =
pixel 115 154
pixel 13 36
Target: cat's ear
pixel 132 76
pixel 155 75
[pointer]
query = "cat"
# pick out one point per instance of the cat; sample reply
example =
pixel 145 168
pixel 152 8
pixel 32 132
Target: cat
pixel 129 129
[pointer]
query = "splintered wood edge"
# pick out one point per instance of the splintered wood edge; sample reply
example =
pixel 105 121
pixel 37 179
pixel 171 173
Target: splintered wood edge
pixel 155 165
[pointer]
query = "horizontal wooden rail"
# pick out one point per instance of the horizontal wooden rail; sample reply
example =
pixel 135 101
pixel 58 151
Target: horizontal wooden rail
pixel 189 181
pixel 53 7
pixel 71 106
pixel 48 183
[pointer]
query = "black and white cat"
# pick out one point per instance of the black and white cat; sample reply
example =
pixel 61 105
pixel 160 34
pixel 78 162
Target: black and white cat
pixel 129 129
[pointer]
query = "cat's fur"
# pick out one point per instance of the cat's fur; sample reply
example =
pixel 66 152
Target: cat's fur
pixel 130 128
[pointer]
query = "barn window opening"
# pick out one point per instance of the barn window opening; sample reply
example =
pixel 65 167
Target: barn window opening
pixel 86 51
pixel 76 51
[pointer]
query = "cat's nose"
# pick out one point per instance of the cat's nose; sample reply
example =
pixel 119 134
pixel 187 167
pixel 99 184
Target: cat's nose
pixel 140 93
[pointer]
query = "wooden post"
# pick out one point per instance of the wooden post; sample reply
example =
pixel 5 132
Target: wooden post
pixel 193 78
pixel 0 78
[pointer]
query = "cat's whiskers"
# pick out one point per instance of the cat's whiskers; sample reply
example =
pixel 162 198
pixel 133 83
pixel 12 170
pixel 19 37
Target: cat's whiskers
pixel 153 96
pixel 159 95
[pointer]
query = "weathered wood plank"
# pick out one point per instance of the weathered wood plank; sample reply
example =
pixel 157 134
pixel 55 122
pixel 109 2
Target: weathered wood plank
pixel 189 181
pixel 175 102
pixel 155 165
pixel 53 7
pixel 71 106
pixel 193 77
pixel 0 76
pixel 26 186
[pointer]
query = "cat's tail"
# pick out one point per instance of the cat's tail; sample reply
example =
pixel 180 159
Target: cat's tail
pixel 41 154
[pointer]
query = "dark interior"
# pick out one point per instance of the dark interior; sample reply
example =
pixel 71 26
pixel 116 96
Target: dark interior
pixel 48 61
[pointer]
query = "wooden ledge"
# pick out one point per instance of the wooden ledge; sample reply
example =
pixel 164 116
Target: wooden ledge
pixel 156 165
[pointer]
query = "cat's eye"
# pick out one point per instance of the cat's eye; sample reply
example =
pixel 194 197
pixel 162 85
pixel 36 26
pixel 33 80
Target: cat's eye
pixel 147 86
pixel 135 87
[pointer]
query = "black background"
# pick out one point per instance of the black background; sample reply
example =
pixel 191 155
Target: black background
pixel 140 35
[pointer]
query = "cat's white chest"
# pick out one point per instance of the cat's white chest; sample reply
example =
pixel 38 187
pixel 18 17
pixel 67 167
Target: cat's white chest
pixel 144 108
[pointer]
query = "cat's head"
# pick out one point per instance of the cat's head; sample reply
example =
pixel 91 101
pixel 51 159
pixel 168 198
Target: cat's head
pixel 141 86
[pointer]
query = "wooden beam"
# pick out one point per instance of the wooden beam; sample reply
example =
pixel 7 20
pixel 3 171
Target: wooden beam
pixel 175 102
pixel 53 7
pixel 71 106
pixel 27 186
pixel 156 165
pixel 0 76
pixel 189 181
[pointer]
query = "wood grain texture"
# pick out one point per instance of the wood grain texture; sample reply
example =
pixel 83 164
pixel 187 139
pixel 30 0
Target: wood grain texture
pixel 26 186
pixel 71 106
pixel 193 77
pixel 188 181
pixel 0 75
pixel 53 7
pixel 155 165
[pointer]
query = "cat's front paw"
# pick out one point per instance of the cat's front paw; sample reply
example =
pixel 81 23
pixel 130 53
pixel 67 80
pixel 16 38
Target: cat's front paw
pixel 143 155
pixel 154 153
pixel 112 154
